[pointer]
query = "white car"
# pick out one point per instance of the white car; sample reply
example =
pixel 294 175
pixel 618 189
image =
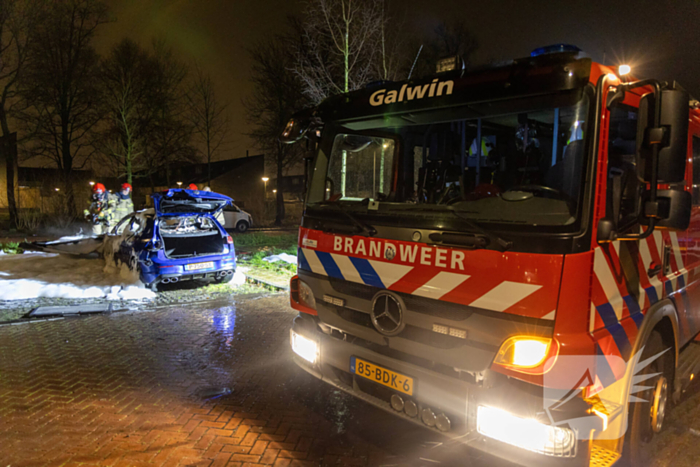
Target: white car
pixel 236 218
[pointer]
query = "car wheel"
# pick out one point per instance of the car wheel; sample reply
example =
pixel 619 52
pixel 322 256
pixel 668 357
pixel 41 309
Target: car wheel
pixel 647 418
pixel 242 226
pixel 153 286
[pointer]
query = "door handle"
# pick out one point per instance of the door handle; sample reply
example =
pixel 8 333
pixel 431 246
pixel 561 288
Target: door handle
pixel 654 269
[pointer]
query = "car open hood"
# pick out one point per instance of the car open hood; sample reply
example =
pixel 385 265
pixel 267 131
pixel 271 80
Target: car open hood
pixel 179 202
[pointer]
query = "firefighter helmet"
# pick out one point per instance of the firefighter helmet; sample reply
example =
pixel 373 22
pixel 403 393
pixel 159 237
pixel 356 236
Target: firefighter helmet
pixel 126 186
pixel 98 188
pixel 192 186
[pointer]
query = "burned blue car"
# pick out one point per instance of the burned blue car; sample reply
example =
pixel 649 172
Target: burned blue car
pixel 179 239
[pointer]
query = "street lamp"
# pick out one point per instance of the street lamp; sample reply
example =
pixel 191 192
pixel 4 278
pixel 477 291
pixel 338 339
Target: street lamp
pixel 265 179
pixel 179 184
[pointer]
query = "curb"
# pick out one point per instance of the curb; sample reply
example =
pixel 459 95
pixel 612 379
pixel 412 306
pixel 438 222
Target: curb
pixel 264 283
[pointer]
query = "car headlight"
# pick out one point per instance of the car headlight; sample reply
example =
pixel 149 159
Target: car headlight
pixel 524 351
pixel 304 347
pixel 306 295
pixel 525 433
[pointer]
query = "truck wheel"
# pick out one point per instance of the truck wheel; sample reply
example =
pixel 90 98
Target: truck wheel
pixel 647 418
pixel 242 226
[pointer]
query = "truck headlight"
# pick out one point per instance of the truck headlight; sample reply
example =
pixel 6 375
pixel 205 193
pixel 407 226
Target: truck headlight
pixel 524 351
pixel 525 433
pixel 304 347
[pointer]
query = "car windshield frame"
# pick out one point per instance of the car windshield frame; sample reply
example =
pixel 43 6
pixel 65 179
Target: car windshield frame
pixel 389 208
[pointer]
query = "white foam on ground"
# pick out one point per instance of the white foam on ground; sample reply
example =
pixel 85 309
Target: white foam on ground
pixel 34 275
pixel 238 277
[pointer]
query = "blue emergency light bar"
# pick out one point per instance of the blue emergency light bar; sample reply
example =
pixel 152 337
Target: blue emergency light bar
pixel 555 49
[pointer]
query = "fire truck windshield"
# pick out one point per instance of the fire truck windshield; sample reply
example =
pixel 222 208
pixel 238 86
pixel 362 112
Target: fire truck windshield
pixel 517 168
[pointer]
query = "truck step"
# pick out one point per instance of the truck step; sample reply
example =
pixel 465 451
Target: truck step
pixel 601 457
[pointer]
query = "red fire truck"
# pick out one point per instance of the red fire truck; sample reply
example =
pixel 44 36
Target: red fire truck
pixel 507 255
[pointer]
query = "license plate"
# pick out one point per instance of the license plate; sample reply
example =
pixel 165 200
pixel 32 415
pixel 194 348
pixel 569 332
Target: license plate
pixel 378 374
pixel 198 266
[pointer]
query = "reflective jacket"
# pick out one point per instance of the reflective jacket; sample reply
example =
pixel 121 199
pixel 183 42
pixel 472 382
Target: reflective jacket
pixel 123 206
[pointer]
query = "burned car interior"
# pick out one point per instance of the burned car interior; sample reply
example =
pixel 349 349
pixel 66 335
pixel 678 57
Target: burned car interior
pixel 190 236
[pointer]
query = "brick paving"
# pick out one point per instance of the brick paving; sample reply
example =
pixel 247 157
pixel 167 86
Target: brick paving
pixel 209 386
pixel 140 388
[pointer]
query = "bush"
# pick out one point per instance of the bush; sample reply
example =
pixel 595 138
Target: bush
pixel 29 220
pixel 11 248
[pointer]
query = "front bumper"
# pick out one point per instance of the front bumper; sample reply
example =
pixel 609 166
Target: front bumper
pixel 457 398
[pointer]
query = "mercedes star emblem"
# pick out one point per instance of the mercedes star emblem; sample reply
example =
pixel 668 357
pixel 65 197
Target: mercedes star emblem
pixel 387 314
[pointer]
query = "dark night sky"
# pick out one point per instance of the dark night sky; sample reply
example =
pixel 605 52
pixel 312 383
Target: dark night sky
pixel 658 38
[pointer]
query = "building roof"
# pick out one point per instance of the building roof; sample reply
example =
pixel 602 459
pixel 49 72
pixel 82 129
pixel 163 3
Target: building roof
pixel 197 173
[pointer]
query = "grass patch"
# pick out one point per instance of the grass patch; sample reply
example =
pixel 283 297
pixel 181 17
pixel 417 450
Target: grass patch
pixel 11 248
pixel 256 259
pixel 255 240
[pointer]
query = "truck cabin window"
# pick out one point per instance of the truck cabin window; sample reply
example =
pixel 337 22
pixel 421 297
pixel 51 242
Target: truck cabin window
pixel 518 168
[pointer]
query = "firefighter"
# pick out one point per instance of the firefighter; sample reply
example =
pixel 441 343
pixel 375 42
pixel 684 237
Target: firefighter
pixel 124 205
pixel 101 211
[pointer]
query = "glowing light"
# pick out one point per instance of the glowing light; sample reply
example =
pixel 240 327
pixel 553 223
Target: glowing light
pixel 305 348
pixel 523 351
pixel 265 179
pixel 274 191
pixel 522 432
pixel 179 184
pixel 57 189
pixel 623 70
pixel 92 183
pixel 529 353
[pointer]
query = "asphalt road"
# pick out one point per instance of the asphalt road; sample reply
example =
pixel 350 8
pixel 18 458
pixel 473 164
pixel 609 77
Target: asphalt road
pixel 209 385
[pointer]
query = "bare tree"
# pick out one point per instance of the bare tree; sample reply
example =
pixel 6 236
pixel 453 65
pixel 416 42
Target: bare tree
pixel 165 116
pixel 207 116
pixel 18 19
pixel 341 41
pixel 61 87
pixel 277 95
pixel 127 81
pixel 448 39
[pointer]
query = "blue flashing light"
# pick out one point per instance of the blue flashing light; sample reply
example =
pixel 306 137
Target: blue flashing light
pixel 555 49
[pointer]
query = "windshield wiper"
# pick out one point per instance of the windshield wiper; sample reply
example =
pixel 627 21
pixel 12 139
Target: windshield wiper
pixel 502 244
pixel 363 228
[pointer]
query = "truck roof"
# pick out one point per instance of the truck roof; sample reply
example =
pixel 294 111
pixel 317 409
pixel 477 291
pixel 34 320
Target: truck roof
pixel 485 91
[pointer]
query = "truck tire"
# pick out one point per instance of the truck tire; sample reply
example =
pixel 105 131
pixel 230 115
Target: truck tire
pixel 242 226
pixel 641 423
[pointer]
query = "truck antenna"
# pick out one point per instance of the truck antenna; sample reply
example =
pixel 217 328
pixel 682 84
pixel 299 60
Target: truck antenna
pixel 414 61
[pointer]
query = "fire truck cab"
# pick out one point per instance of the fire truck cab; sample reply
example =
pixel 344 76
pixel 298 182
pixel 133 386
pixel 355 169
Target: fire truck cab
pixel 507 256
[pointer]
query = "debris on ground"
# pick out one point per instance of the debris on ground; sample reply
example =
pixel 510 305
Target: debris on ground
pixel 44 311
pixel 290 259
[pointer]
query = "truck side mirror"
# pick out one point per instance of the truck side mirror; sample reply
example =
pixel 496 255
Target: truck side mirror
pixel 673 209
pixel 672 134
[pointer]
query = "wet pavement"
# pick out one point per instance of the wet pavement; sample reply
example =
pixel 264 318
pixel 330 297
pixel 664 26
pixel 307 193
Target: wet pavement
pixel 207 385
